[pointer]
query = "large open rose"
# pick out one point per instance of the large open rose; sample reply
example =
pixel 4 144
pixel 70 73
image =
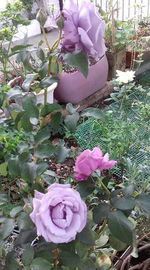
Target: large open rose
pixel 59 214
pixel 89 161
pixel 83 28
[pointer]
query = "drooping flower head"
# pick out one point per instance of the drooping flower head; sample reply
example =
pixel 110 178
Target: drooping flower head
pixel 59 214
pixel 89 161
pixel 83 28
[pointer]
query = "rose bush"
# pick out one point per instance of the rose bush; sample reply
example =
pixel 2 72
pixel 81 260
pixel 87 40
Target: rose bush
pixel 59 214
pixel 89 161
pixel 83 29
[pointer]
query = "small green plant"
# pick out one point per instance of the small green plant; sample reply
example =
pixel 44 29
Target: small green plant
pixel 10 18
pixel 123 87
pixel 118 34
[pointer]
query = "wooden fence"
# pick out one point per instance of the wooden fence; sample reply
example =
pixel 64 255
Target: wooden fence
pixel 127 9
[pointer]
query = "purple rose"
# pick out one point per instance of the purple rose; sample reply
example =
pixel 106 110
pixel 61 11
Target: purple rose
pixel 83 29
pixel 59 214
pixel 90 161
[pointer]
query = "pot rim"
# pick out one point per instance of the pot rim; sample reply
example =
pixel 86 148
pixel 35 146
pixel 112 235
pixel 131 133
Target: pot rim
pixel 76 71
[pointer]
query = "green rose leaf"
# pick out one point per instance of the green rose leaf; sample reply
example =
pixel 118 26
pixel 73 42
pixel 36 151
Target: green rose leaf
pixel 13 167
pixel 87 265
pixel 86 236
pixel 6 228
pixel 33 121
pixel 45 150
pixel 49 108
pixel 29 105
pixel 123 203
pixel 25 122
pixel 44 246
pixel 69 259
pixel 43 70
pixel 71 109
pixel 27 82
pixel 55 121
pixel 116 243
pixel 143 202
pixel 128 191
pixel 11 263
pixel 61 152
pixel 15 211
pixel 42 135
pixel 41 167
pixel 28 255
pixel 25 237
pixel 100 212
pixel 29 171
pixel 71 121
pixel 24 222
pixel 3 169
pixel 3 199
pixel 47 255
pixel 120 227
pixel 25 157
pixel 18 48
pixel 93 112
pixel 40 54
pixel 102 241
pixel 40 264
pixel 82 249
pixel 26 268
pixel 85 190
pixel 14 92
pixel 46 82
pixel 77 59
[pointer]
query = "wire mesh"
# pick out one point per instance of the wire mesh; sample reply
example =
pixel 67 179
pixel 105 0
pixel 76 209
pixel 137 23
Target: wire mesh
pixel 139 151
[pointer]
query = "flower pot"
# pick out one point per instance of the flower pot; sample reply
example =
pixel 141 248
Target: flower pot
pixel 129 56
pixel 74 87
pixel 50 94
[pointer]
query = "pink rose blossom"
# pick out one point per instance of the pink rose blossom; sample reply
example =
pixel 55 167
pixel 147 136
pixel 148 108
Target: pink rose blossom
pixel 89 161
pixel 59 214
pixel 83 28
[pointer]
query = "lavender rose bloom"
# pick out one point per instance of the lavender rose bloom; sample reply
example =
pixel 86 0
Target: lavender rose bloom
pixel 59 214
pixel 89 161
pixel 83 28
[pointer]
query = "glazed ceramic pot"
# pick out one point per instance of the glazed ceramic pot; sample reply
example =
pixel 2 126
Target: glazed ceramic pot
pixel 74 87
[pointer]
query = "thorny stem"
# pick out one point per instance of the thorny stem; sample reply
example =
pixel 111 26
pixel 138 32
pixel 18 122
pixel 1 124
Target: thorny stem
pixel 56 43
pixel 45 96
pixel 103 186
pixel 46 40
pixel 53 47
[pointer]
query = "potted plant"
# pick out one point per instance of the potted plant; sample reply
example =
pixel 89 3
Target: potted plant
pixel 117 37
pixel 10 19
pixel 82 47
pixel 77 58
pixel 138 50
